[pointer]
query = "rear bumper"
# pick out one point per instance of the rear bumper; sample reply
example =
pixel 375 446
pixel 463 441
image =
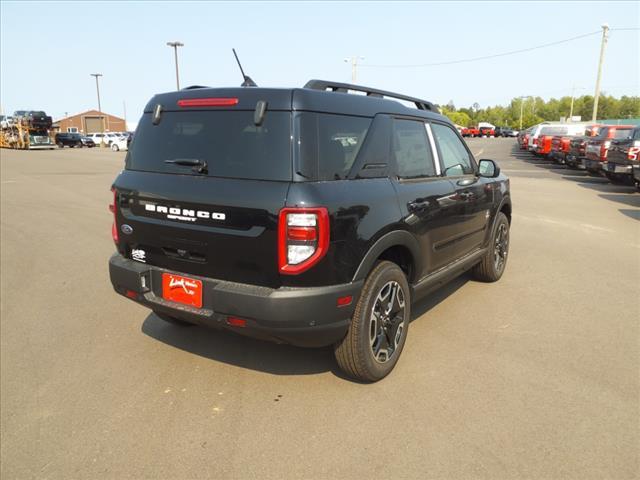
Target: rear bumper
pixel 593 165
pixel 307 317
pixel 619 168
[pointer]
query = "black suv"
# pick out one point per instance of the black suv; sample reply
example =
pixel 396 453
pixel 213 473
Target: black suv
pixel 68 140
pixel 308 216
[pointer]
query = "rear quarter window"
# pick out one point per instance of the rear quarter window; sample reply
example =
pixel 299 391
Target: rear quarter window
pixel 328 144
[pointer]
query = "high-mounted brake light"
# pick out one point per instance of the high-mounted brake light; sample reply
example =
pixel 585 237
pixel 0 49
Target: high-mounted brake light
pixel 113 208
pixel 303 238
pixel 208 102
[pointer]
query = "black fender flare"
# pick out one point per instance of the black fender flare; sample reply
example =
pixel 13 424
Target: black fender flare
pixel 388 240
pixel 506 200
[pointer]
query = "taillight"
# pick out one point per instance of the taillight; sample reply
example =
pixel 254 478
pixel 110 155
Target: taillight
pixel 303 238
pixel 632 154
pixel 535 141
pixel 208 102
pixel 604 148
pixel 114 208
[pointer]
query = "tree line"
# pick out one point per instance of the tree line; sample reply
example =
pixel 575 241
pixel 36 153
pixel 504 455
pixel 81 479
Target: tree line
pixel 536 110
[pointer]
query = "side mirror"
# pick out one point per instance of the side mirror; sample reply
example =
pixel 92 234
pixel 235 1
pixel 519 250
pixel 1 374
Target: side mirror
pixel 488 168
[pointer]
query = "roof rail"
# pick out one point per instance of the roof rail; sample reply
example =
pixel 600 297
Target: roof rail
pixel 371 92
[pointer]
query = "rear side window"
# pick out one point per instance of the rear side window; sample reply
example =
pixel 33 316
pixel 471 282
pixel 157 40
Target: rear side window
pixel 229 142
pixel 412 152
pixel 328 144
pixel 453 154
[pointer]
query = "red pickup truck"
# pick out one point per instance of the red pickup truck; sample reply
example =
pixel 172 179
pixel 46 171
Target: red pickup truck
pixel 560 145
pixel 598 147
pixel 470 132
pixel 486 131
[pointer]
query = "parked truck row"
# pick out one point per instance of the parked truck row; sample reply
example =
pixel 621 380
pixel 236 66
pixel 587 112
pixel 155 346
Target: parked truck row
pixel 611 151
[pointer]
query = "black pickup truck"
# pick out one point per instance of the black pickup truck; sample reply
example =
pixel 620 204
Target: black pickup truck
pixel 309 216
pixel 623 156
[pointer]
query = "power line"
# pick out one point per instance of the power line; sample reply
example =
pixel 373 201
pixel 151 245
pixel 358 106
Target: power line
pixel 504 54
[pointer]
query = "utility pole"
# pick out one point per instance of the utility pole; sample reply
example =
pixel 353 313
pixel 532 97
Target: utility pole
pixel 573 94
pixel 354 67
pixel 175 46
pixel 522 108
pixel 97 75
pixel 596 97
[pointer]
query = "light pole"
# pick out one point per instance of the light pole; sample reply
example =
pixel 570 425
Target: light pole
pixel 97 88
pixel 175 46
pixel 354 67
pixel 596 97
pixel 97 75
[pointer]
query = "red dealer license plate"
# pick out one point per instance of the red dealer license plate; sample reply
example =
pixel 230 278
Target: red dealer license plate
pixel 179 289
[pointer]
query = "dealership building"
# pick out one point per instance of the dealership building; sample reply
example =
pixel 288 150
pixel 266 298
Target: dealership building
pixel 91 121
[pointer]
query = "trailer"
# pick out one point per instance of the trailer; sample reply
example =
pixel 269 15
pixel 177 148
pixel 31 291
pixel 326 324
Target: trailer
pixel 28 131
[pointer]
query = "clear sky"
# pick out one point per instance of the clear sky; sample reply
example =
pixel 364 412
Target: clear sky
pixel 48 49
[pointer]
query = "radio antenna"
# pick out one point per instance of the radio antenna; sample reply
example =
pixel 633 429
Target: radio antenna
pixel 247 79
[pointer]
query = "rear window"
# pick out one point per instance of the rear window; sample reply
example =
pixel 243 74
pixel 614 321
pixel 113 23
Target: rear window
pixel 554 131
pixel 622 134
pixel 229 142
pixel 328 144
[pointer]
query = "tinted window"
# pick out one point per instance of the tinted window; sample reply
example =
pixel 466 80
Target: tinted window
pixel 453 154
pixel 329 144
pixel 229 142
pixel 411 149
pixel 554 131
pixel 621 134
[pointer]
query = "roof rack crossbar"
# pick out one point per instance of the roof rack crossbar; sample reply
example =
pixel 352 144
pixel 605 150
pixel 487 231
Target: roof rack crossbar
pixel 370 92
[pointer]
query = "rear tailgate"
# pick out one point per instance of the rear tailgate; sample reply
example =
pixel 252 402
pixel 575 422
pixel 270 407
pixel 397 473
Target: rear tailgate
pixel 219 219
pixel 170 225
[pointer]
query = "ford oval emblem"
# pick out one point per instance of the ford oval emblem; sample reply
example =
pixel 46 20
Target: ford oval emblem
pixel 126 229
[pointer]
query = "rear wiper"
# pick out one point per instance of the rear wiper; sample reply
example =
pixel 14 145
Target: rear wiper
pixel 199 166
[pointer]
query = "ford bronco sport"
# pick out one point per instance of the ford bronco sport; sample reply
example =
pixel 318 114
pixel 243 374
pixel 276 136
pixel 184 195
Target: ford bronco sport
pixel 311 216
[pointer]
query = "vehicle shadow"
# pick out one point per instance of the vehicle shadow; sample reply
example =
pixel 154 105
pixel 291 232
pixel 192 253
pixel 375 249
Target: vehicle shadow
pixel 233 349
pixel 425 304
pixel 605 186
pixel 635 214
pixel 631 200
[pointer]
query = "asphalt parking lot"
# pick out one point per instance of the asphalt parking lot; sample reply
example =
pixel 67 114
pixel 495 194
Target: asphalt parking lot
pixel 537 376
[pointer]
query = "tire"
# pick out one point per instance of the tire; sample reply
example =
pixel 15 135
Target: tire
pixel 114 147
pixel 173 320
pixel 493 264
pixel 363 353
